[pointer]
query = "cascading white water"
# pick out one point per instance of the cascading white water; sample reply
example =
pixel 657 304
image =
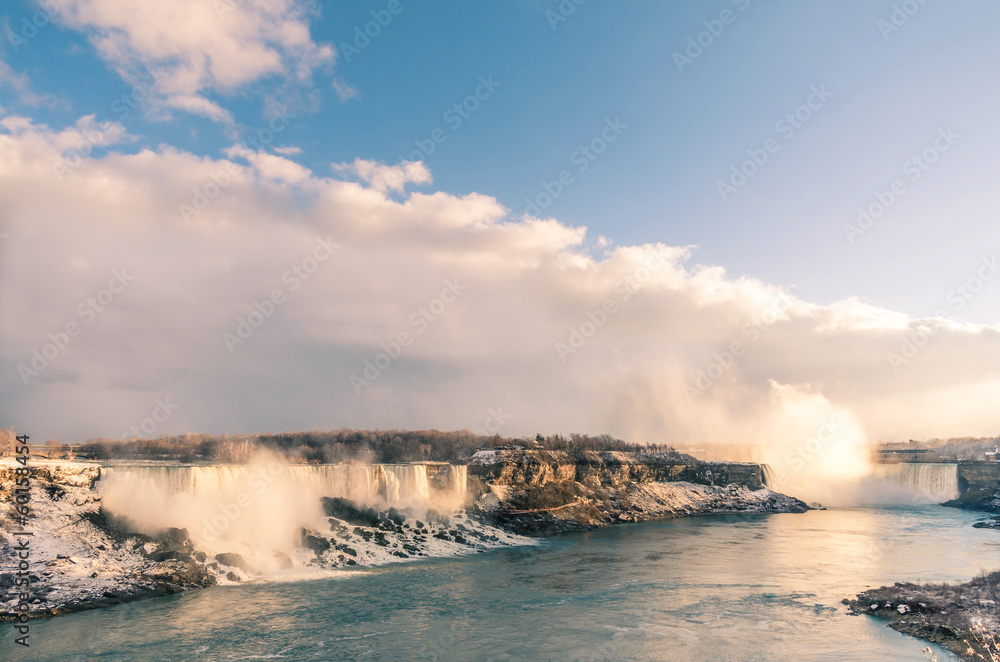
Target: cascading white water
pixel 458 479
pixel 767 476
pixel 912 483
pixel 258 508
pixel 382 485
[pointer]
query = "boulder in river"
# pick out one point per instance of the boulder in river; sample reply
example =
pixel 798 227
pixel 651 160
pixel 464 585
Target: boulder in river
pixel 234 561
pixel 988 524
pixel 316 544
pixel 284 561
pixel 347 510
pixel 169 555
pixel 175 536
pixel 396 517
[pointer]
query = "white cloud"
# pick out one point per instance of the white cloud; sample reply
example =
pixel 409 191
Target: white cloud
pixel 531 283
pixel 384 178
pixel 27 146
pixel 199 47
pixel 344 90
pixel 278 168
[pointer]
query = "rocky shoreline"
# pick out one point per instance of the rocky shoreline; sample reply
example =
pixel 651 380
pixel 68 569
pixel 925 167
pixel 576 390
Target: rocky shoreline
pixel 637 503
pixel 76 561
pixel 960 617
pixel 963 617
pixel 986 502
pixel 84 558
pixel 979 501
pixel 992 523
pixel 538 493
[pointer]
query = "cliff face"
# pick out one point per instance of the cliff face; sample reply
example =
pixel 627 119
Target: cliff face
pixel 979 476
pixel 979 484
pixel 609 469
pixel 543 491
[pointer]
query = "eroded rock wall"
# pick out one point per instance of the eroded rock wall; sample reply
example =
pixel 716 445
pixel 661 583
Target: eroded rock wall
pixel 530 468
pixel 539 492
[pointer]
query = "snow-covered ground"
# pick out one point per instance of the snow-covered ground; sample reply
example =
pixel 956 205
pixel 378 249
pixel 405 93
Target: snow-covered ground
pixel 85 554
pixel 78 560
pixel 657 499
pixel 70 559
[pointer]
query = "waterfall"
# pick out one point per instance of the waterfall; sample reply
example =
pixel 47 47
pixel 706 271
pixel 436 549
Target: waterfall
pixel 768 477
pixel 262 507
pixel 379 485
pixel 912 483
pixel 458 480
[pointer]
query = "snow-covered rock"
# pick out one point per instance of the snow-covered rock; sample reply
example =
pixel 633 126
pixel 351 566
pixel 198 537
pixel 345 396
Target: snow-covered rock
pixel 82 556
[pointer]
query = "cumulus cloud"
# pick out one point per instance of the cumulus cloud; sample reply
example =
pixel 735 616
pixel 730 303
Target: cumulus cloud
pixel 383 178
pixel 271 166
pixel 56 152
pixel 196 48
pixel 497 311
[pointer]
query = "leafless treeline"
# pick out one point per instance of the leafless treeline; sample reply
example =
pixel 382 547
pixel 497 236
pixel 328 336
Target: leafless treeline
pixel 385 446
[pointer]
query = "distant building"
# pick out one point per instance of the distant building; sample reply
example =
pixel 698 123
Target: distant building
pixel 993 455
pixel 907 455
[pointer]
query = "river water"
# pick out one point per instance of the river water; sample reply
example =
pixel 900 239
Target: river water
pixel 748 587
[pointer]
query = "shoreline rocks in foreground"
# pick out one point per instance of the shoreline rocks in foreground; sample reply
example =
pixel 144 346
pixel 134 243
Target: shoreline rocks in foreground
pixel 959 617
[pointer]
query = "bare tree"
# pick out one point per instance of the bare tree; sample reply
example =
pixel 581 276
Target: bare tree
pixel 8 442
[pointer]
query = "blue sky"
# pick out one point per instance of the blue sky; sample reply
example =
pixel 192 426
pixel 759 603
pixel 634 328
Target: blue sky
pixel 872 84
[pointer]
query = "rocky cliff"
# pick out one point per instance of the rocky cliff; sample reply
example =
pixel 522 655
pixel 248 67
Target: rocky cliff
pixel 539 492
pixel 73 558
pixel 979 484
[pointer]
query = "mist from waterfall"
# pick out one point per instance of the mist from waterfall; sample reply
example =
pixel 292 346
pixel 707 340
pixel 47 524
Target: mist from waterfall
pixel 259 508
pixel 819 452
pixel 911 483
pixel 882 485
